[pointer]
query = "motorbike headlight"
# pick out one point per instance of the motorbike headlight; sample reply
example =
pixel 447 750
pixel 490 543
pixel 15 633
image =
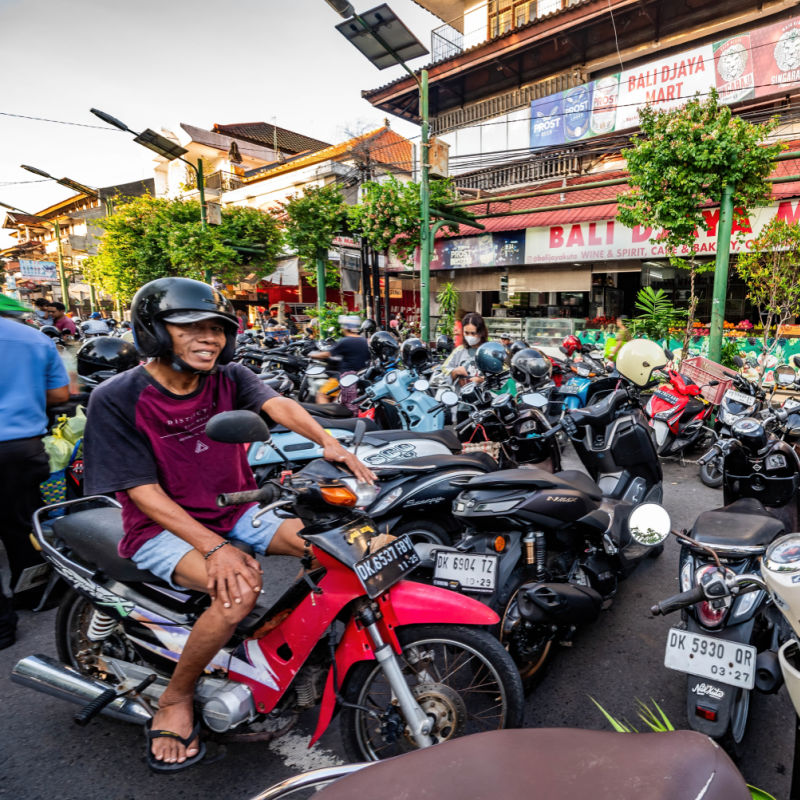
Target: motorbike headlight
pixel 726 418
pixel 365 493
pixel 745 603
pixel 386 501
pixel 776 461
pixel 649 524
pixel 666 414
pixel 686 575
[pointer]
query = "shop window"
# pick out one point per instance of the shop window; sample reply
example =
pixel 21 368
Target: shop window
pixel 503 15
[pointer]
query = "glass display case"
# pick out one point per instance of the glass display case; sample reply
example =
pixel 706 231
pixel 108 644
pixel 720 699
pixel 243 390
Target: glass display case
pixel 513 326
pixel 551 331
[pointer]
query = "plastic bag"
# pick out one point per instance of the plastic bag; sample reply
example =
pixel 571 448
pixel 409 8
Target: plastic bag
pixel 58 450
pixel 72 427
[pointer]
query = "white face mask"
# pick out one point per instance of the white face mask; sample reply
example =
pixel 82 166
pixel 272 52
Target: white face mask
pixel 472 340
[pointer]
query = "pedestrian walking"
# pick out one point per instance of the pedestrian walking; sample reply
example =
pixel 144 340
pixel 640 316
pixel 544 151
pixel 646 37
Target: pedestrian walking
pixel 32 377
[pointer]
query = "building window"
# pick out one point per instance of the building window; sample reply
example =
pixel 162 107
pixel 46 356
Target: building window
pixel 503 15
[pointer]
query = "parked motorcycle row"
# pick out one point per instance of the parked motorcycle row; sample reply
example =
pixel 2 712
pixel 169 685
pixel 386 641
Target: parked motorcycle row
pixel 496 554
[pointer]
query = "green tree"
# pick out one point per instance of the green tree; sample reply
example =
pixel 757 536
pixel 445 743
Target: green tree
pixel 679 164
pixel 312 220
pixel 447 298
pixel 388 216
pixel 771 273
pixel 148 238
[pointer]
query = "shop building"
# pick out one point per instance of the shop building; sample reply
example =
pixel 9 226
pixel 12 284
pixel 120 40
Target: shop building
pixel 545 95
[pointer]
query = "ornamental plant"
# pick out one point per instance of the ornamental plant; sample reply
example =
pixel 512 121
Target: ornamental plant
pixel 679 164
pixel 770 271
pixel 447 298
pixel 311 221
pixel 152 237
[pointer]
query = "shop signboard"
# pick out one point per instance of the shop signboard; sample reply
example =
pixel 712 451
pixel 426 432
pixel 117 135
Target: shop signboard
pixel 753 64
pixel 487 250
pixel 609 240
pixel 39 271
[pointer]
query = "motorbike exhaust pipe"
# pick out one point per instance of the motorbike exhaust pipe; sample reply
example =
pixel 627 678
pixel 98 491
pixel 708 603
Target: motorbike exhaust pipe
pixel 768 672
pixel 46 675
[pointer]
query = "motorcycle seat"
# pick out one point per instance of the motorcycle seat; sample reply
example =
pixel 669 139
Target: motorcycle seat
pixel 693 408
pixel 742 525
pixel 333 410
pixel 482 461
pixel 346 423
pixel 539 479
pixel 444 437
pixel 94 536
pixel 602 412
pixel 559 763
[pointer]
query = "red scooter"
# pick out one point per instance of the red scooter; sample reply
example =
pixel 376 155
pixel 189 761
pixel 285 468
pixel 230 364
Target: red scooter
pixel 409 665
pixel 678 413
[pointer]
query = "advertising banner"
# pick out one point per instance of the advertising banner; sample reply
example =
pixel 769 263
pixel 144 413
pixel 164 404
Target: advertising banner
pixel 39 271
pixel 487 250
pixel 754 64
pixel 608 240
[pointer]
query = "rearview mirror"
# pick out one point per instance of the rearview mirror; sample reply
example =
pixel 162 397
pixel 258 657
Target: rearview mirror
pixel 534 399
pixel 237 427
pixel 784 375
pixel 315 370
pixel 796 361
pixel 449 398
pixel 348 380
pixel 668 353
pixel 421 385
pixel 739 361
pixel 649 524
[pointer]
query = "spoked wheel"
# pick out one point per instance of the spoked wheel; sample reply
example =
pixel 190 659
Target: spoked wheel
pixel 461 677
pixel 84 634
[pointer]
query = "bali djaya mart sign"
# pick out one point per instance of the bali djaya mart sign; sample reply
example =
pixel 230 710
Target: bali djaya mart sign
pixel 751 65
pixel 607 240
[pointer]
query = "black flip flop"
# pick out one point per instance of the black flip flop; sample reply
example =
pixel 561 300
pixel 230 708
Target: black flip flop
pixel 163 766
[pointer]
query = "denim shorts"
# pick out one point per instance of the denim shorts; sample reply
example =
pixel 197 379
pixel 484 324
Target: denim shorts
pixel 161 554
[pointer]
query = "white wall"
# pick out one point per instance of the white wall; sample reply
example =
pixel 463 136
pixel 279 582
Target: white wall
pixel 475 24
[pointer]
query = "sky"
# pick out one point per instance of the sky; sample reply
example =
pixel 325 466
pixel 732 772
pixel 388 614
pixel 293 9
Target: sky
pixel 157 63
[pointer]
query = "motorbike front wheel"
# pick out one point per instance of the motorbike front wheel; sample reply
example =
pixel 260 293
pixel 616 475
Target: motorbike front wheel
pixel 461 677
pixel 711 474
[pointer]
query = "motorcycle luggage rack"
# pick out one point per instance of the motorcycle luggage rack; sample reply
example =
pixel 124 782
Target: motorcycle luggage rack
pixel 702 371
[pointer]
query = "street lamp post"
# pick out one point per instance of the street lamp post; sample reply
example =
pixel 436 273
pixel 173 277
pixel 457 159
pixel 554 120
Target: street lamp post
pixel 81 189
pixel 388 53
pixel 165 148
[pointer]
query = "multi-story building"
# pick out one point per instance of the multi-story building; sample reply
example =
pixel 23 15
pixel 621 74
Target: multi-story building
pixel 544 94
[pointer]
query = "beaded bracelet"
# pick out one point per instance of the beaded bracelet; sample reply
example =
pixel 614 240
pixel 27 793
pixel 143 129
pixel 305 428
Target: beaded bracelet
pixel 214 549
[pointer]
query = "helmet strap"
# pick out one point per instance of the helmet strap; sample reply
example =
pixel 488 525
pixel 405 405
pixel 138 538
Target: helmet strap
pixel 179 365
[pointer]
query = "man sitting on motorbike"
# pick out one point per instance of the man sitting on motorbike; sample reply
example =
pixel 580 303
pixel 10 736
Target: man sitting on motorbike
pixel 352 351
pixel 145 440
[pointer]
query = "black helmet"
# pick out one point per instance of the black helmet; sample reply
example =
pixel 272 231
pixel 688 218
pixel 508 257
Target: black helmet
pixel 368 327
pixel 106 354
pixel 444 344
pixel 51 331
pixel 384 346
pixel 179 300
pixel 530 366
pixel 491 358
pixel 414 354
pixel 515 347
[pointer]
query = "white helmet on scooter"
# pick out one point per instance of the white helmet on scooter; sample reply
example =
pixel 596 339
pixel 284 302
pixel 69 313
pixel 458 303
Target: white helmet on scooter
pixel 637 359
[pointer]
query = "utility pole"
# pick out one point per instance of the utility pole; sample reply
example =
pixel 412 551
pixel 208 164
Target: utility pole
pixel 721 274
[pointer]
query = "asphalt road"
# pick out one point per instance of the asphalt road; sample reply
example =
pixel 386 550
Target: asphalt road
pixel 618 659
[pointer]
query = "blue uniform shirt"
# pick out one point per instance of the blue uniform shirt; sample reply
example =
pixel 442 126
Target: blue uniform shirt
pixel 29 366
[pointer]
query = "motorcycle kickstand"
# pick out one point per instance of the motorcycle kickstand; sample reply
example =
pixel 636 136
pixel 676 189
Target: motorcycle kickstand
pixel 418 721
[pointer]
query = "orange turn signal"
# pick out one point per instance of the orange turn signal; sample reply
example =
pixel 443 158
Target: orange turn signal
pixel 338 495
pixel 499 544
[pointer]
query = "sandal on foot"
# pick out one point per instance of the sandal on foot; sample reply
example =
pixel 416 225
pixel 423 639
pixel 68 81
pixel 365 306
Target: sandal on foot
pixel 162 766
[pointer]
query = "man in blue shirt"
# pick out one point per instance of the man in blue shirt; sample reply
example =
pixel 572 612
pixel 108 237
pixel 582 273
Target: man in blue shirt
pixel 32 377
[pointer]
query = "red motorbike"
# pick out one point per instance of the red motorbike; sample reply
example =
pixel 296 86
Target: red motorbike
pixel 678 412
pixel 409 665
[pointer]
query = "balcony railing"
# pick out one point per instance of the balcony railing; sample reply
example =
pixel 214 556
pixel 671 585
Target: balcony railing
pixel 519 173
pixel 446 42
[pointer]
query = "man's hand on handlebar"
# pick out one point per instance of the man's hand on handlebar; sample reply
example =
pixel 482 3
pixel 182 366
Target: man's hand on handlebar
pixel 333 451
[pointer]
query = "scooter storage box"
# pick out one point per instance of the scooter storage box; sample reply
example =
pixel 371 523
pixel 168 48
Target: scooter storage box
pixel 633 446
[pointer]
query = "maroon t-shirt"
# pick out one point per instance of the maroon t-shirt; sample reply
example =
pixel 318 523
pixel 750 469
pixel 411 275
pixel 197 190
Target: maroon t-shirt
pixel 66 324
pixel 137 433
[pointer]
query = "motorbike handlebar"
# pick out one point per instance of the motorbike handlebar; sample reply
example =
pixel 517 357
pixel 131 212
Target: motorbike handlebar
pixel 266 494
pixel 679 601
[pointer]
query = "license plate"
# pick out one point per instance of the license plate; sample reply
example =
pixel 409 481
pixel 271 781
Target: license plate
pixel 385 567
pixel 720 660
pixel 472 573
pixel 740 397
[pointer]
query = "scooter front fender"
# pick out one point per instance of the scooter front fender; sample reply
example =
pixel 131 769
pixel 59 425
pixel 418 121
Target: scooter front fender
pixel 407 603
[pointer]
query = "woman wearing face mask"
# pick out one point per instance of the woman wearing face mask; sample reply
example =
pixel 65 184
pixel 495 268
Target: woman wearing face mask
pixel 460 364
